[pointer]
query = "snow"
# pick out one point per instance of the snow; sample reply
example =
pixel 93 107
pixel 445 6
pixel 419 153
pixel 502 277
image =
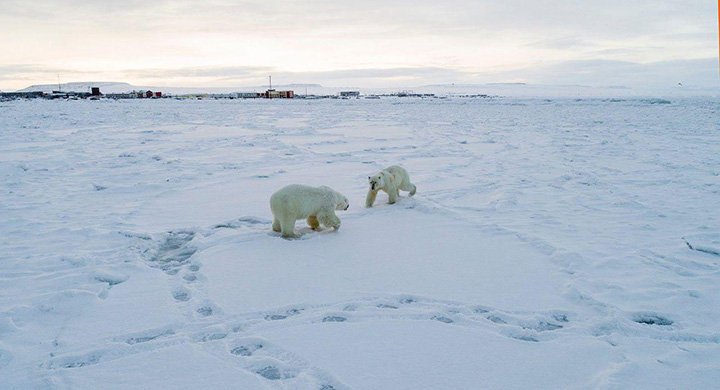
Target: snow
pixel 552 243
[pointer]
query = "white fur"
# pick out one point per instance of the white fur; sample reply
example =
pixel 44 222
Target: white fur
pixel 391 180
pixel 297 201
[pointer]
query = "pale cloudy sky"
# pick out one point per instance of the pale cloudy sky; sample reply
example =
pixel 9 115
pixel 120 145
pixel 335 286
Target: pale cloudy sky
pixel 359 43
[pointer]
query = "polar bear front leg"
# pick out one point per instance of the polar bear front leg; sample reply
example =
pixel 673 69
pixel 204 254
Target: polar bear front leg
pixel 370 199
pixel 287 226
pixel 330 220
pixel 313 222
pixel 276 224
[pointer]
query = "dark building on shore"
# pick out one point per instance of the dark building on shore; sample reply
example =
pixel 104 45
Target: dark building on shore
pixel 21 95
pixel 273 94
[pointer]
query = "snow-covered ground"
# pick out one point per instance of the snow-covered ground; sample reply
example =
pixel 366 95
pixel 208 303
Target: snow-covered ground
pixel 552 244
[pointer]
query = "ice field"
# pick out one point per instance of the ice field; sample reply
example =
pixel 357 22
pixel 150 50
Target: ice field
pixel 552 244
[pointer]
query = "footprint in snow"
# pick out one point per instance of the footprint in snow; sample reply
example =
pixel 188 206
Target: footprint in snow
pixel 385 306
pixel 270 372
pixel 181 295
pixel 334 319
pixel 246 350
pixel 443 319
pixel 652 319
pixel 288 313
pixel 149 337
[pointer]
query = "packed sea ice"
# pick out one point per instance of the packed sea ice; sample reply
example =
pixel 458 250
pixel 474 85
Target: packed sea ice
pixel 552 243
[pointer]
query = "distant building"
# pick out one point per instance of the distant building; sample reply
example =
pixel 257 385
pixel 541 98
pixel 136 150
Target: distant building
pixel 20 95
pixel 126 95
pixel 350 94
pixel 67 95
pixel 249 95
pixel 273 94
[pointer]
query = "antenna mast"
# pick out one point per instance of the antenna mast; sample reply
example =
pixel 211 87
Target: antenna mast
pixel 58 77
pixel 270 82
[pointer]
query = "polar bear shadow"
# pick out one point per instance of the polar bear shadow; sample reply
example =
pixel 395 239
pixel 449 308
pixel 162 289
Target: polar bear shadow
pixel 304 233
pixel 401 202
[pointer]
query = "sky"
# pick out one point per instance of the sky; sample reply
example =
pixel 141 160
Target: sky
pixel 367 43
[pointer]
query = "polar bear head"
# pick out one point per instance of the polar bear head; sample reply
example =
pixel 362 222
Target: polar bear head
pixel 341 202
pixel 378 181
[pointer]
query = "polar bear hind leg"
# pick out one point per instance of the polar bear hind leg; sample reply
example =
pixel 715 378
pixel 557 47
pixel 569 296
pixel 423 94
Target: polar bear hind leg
pixel 410 187
pixel 312 221
pixel 392 195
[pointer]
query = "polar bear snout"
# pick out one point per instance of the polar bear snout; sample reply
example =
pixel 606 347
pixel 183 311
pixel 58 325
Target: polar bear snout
pixel 343 205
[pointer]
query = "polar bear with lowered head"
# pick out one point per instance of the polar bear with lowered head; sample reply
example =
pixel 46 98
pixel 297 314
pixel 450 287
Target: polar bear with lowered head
pixel 391 180
pixel 315 204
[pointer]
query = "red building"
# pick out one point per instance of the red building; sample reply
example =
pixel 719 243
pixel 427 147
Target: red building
pixel 273 94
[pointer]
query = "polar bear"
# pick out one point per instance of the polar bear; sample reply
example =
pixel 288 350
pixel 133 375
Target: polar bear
pixel 391 180
pixel 297 201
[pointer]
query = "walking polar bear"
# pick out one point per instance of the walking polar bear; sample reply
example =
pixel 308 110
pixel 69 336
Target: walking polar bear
pixel 297 201
pixel 391 180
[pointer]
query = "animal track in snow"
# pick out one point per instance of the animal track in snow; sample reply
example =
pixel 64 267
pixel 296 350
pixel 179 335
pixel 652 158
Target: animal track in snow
pixel 181 295
pixel 443 319
pixel 526 338
pixel 652 319
pixel 242 221
pixel 111 278
pixel 286 314
pixel 173 251
pixel 246 350
pixel 334 319
pixel 150 337
pixel 385 306
pixel 230 337
pixel 87 359
pixel 270 372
